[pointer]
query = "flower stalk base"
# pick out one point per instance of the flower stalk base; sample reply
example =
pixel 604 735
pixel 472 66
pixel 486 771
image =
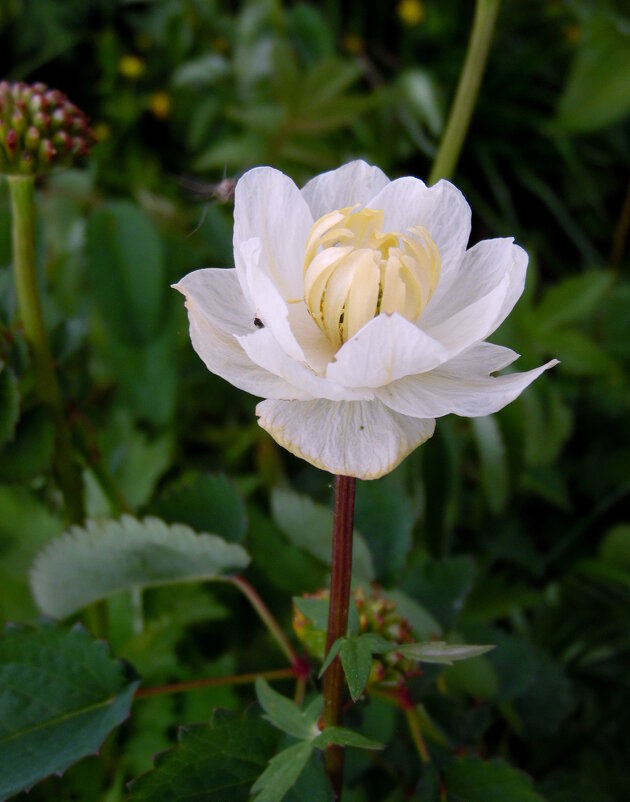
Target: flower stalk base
pixel 340 581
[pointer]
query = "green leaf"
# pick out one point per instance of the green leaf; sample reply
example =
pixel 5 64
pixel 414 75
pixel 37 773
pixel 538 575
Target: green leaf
pixel 31 451
pixel 494 468
pixel 309 526
pixel 442 586
pixel 282 773
pixel 340 736
pixel 422 623
pixel 615 547
pixel 385 516
pixel 316 610
pixel 285 714
pixel 332 653
pixel 472 780
pixel 441 652
pixel 218 763
pixel 597 93
pixel 475 677
pixel 9 404
pixel 126 267
pixel 573 299
pixel 62 693
pixel 356 658
pixel 84 565
pixel 207 503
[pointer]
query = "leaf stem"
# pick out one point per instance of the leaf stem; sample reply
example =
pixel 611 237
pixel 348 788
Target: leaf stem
pixel 210 682
pixel 467 90
pixel 265 615
pixel 68 474
pixel 340 582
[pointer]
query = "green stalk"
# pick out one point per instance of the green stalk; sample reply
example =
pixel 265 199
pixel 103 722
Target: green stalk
pixel 22 194
pixel 467 90
pixel 340 581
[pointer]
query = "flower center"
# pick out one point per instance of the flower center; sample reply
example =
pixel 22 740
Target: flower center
pixel 353 271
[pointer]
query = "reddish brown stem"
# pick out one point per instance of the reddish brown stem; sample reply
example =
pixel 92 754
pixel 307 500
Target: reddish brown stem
pixel 338 619
pixel 209 682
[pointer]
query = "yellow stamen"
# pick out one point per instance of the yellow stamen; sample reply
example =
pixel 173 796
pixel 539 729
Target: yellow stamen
pixel 354 271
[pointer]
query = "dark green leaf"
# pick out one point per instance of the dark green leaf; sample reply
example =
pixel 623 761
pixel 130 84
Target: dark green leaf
pixel 127 271
pixel 9 404
pixel 472 780
pixel 332 653
pixel 62 693
pixel 31 451
pixel 309 526
pixel 573 299
pixel 385 516
pixel 219 763
pixel 494 468
pixel 442 586
pixel 597 93
pixel 207 503
pixel 356 658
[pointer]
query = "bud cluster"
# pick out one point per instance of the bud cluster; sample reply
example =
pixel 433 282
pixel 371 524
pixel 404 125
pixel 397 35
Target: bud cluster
pixel 377 615
pixel 40 129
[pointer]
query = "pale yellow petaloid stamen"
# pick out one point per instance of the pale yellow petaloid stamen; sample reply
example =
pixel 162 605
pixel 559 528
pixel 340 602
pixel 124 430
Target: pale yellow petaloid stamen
pixel 353 271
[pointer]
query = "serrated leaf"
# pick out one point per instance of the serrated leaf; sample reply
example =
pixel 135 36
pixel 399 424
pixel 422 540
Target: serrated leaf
pixel 127 270
pixel 472 780
pixel 208 503
pixel 285 714
pixel 340 736
pixel 218 763
pixel 441 652
pixel 309 526
pixel 9 404
pixel 85 565
pixel 282 773
pixel 62 693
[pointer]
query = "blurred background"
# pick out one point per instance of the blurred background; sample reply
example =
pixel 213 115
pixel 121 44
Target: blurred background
pixel 513 529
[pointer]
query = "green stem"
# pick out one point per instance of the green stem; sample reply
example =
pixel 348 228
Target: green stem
pixel 467 90
pixel 340 582
pixel 210 682
pixel 22 193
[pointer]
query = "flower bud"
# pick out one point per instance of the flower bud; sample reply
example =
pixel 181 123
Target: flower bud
pixel 40 129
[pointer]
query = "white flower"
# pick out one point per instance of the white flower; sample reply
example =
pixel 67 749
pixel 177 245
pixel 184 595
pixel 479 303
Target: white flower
pixel 356 311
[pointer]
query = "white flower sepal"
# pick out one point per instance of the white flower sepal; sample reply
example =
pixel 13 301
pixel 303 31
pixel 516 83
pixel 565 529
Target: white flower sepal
pixel 356 311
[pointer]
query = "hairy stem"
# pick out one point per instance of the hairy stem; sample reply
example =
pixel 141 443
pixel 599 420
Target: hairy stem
pixel 68 474
pixel 340 581
pixel 467 90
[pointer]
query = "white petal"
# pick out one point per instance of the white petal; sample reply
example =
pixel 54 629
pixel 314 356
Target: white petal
pixel 224 356
pixel 268 205
pixel 354 438
pixel 472 323
pixel 441 209
pixel 385 349
pixel 481 359
pixel 317 348
pixel 355 182
pixel 442 391
pixel 270 307
pixel 218 295
pixel 483 267
pixel 263 349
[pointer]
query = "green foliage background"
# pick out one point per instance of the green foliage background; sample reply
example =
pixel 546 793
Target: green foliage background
pixel 511 530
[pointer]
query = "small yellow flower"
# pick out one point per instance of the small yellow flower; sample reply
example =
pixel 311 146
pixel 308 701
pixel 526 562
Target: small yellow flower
pixel 411 12
pixel 131 67
pixel 353 43
pixel 160 104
